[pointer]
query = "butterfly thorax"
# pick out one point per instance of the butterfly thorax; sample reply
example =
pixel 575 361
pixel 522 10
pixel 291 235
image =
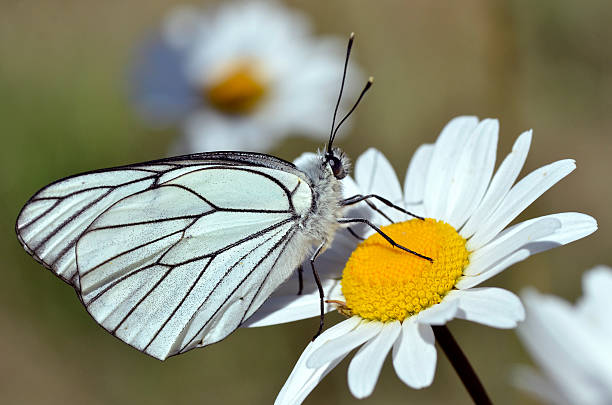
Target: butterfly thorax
pixel 322 223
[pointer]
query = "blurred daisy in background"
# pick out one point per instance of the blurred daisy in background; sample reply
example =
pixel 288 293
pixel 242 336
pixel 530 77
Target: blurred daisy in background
pixel 571 344
pixel 392 298
pixel 239 77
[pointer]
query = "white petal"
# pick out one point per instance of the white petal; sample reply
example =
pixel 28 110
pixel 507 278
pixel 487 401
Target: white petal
pixel 416 209
pixel 440 313
pixel 288 308
pixel 509 241
pixel 506 174
pixel 490 306
pixel 375 175
pixel 470 281
pixel 365 367
pixel 566 347
pixel 304 379
pixel 229 134
pixel 181 24
pixel 573 226
pixel 596 287
pixel 349 187
pixel 473 173
pixel 520 197
pixel 596 298
pixel 597 283
pixel 527 379
pixel 336 348
pixel 448 146
pixel 414 184
pixel 414 355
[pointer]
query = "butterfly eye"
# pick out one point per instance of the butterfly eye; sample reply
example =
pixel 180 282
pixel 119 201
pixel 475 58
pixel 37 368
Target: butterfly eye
pixel 336 166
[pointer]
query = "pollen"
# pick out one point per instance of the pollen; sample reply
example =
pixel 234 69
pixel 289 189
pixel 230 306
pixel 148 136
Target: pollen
pixel 236 89
pixel 384 283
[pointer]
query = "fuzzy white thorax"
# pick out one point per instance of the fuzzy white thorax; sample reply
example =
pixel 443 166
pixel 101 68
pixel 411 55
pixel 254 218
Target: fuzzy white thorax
pixel 322 223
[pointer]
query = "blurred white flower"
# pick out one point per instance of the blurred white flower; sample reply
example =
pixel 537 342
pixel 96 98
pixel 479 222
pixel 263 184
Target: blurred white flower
pixel 392 298
pixel 240 77
pixel 571 344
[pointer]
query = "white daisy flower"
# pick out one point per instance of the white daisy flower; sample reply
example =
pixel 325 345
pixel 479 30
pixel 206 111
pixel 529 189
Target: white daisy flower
pixel 392 298
pixel 570 344
pixel 240 77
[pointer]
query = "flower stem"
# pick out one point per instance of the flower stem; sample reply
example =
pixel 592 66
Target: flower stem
pixel 460 363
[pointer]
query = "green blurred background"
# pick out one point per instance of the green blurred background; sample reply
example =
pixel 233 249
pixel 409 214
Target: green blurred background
pixel 64 109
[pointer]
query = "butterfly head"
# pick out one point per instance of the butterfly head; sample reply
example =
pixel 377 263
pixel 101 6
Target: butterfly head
pixel 338 162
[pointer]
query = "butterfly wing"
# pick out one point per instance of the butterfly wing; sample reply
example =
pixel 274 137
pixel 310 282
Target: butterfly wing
pixel 188 251
pixel 52 221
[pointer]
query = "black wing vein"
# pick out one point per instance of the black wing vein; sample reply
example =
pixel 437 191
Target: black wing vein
pixel 280 242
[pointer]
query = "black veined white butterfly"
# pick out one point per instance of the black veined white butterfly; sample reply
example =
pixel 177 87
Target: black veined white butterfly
pixel 177 253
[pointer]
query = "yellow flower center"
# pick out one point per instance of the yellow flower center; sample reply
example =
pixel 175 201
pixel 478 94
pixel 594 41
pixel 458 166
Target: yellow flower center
pixel 384 283
pixel 236 89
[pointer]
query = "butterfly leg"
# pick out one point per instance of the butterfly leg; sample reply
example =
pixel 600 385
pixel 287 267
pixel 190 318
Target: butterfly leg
pixel 384 235
pixel 300 271
pixel 320 287
pixel 355 234
pixel 358 198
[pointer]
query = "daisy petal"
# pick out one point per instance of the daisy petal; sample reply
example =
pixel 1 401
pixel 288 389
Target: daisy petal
pixel 443 162
pixel 162 94
pixel 596 287
pixel 597 283
pixel 336 348
pixel 414 184
pixel 304 379
pixel 293 307
pixel 349 187
pixel 574 226
pixel 473 173
pixel 375 175
pixel 414 355
pixel 360 210
pixel 490 306
pixel 470 281
pixel 510 241
pixel 181 25
pixel 552 334
pixel 365 367
pixel 230 134
pixel 438 314
pixel 520 197
pixel 505 176
pixel 526 379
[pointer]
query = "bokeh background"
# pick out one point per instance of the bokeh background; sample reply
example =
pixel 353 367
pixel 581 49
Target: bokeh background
pixel 64 108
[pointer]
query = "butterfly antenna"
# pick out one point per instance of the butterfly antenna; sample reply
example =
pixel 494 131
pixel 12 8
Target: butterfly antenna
pixel 332 132
pixel 365 89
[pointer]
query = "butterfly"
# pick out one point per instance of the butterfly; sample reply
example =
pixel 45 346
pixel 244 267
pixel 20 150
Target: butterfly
pixel 173 254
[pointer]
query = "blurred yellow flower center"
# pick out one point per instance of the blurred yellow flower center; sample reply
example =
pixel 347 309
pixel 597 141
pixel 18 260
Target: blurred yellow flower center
pixel 384 283
pixel 238 89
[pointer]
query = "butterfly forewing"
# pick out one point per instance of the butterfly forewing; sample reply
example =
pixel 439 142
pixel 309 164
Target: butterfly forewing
pixel 172 254
pixel 52 221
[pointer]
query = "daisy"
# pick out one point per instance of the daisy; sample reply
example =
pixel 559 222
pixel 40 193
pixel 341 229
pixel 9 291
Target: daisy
pixel 392 299
pixel 239 77
pixel 570 343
